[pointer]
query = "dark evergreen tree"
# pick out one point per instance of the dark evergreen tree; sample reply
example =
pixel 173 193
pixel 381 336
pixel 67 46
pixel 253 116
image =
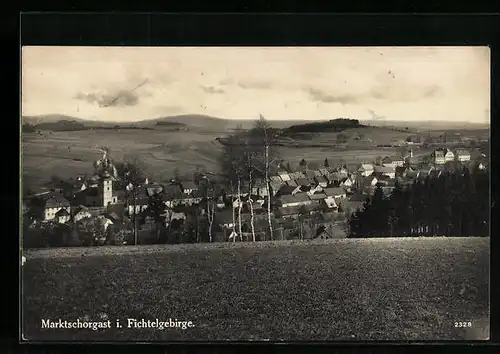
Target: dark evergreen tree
pixel 455 203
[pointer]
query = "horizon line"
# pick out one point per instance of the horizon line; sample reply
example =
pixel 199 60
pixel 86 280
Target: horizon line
pixel 385 120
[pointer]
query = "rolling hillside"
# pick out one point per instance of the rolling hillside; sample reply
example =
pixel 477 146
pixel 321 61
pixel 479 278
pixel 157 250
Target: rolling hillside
pixel 351 289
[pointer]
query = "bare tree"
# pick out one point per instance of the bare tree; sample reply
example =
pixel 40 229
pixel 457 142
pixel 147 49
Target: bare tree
pixel 246 156
pixel 209 197
pixel 264 127
pixel 239 208
pixel 210 215
pixel 232 211
pixel 131 171
pixel 250 200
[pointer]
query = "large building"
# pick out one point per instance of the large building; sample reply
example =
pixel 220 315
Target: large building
pixel 441 156
pixel 462 155
pixel 53 205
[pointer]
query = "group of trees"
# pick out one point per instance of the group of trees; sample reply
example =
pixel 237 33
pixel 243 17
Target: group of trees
pixel 85 232
pixel 248 157
pixel 28 128
pixel 454 204
pixel 335 125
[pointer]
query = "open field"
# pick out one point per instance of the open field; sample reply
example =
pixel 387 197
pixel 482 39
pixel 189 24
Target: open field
pixel 351 289
pixel 68 154
pixel 160 151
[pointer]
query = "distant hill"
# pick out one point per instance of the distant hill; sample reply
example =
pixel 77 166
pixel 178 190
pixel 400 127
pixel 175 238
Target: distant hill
pixel 61 125
pixel 210 123
pixel 333 125
pixel 428 125
pixel 50 118
pixel 200 122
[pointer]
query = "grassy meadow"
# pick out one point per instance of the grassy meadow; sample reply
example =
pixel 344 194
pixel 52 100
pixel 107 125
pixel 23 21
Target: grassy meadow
pixel 350 289
pixel 67 154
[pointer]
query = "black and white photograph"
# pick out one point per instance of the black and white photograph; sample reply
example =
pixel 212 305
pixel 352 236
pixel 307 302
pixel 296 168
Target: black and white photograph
pixel 273 194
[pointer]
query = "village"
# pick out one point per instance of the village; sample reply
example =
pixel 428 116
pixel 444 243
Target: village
pixel 260 193
pixel 306 203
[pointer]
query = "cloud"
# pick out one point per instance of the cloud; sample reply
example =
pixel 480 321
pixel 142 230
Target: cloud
pixel 394 93
pixel 320 96
pixel 118 98
pixel 404 93
pixel 211 89
pixel 254 84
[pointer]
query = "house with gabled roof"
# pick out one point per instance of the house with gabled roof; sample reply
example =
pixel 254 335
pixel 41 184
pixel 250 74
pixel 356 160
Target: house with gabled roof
pixel 276 179
pixel 292 183
pixel 141 203
pixel 52 203
pixel 288 190
pixel 462 155
pixel 438 157
pixel 318 197
pixel 336 192
pixel 384 171
pixel 62 216
pixel 314 190
pixel 365 169
pixel 297 199
pixel 322 181
pixel 303 182
pixel 442 155
pixel 284 176
pixel 331 203
pixel 275 186
pixel 293 212
pixel 152 188
pixel 81 212
pixel 347 182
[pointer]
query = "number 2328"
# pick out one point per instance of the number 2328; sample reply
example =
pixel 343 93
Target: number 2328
pixel 463 324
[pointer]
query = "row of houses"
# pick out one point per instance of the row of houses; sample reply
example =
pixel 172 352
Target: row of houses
pixel 325 190
pixel 443 155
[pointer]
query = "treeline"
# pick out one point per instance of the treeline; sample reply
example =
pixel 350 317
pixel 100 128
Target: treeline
pixel 454 204
pixel 65 125
pixel 171 124
pixel 333 125
pixel 28 128
pixel 62 125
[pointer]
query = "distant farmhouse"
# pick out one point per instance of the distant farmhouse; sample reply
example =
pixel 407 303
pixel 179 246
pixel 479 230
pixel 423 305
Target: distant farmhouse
pixel 462 155
pixel 443 155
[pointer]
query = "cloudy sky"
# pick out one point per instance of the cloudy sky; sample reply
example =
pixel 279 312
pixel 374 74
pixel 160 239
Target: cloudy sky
pixel 128 84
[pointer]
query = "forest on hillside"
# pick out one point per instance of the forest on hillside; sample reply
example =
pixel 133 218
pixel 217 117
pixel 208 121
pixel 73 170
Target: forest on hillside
pixel 455 204
pixel 333 125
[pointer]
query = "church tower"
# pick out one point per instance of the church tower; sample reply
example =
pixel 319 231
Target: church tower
pixel 106 191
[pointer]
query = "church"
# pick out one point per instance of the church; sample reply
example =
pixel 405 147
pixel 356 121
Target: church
pixel 100 190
